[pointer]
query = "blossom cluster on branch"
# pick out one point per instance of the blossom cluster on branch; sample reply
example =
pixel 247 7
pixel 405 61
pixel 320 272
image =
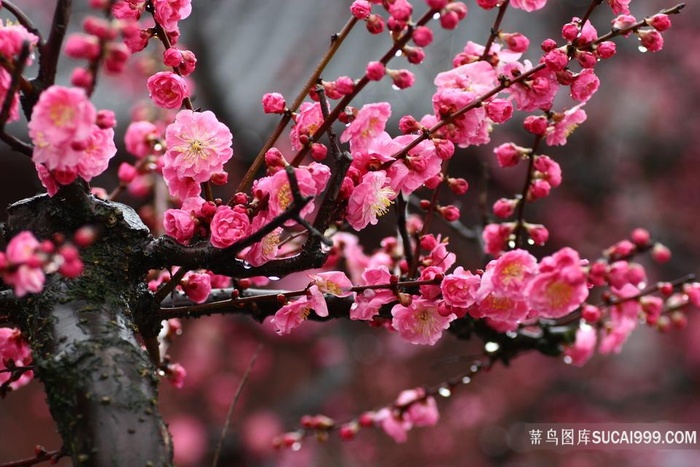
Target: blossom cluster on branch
pixel 320 189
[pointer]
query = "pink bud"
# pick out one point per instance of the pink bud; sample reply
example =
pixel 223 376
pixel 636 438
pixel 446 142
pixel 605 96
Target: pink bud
pixel 570 31
pixel 126 172
pixel 449 213
pixel 516 41
pixel 422 36
pixel 504 207
pixel 537 125
pixel 538 233
pixel 375 71
pixel 660 253
pixel 360 9
pixel 273 103
pixel 590 313
pixel 640 237
pixel 99 27
pixel 82 47
pixel 81 78
pixel 660 22
pixel 402 78
pixel 499 110
pixel 375 24
pixel 606 49
pixel 548 45
pixel 459 186
pixel 487 4
pixel 106 119
pixel 408 124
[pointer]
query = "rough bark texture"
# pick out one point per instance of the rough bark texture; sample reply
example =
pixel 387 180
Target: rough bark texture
pixel 101 386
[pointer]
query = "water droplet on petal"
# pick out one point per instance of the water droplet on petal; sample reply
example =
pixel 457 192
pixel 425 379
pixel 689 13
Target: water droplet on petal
pixel 491 347
pixel 444 392
pixel 466 380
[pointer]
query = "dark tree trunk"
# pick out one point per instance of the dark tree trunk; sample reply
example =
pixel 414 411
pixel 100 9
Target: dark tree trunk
pixel 100 384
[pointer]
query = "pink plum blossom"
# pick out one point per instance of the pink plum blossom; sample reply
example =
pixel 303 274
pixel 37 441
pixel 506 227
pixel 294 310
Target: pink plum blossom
pixel 169 12
pixel 228 226
pixel 267 248
pixel 528 5
pixel 420 322
pixel 393 424
pixel 369 200
pixel 291 315
pixel 369 122
pixel 308 119
pixel 167 89
pixel 368 302
pixel 61 124
pixel 562 129
pixel 332 282
pixel 198 145
pixel 140 137
pixel 584 346
pixel 14 347
pixel 179 225
pixel 197 286
pixel 459 288
pixel 560 286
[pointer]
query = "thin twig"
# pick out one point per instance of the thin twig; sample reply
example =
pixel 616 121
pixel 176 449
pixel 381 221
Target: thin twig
pixel 495 29
pixel 239 390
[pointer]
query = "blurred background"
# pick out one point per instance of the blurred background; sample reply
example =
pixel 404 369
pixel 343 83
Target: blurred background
pixel 634 163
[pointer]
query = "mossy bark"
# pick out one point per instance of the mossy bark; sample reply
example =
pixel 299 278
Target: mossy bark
pixel 100 385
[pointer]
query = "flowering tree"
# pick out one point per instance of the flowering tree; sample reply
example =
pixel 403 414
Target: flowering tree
pixel 95 291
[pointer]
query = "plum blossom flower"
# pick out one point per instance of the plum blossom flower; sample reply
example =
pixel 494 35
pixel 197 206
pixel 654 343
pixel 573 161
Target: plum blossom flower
pixel 369 123
pixel 179 225
pixel 196 286
pixel 198 146
pixel 367 303
pixel 562 129
pixel 559 287
pixel 61 123
pixel 332 282
pixel 420 322
pixel 584 346
pixel 369 200
pixel 167 89
pixel 14 347
pixel 459 288
pixel 528 5
pixel 140 137
pixel 291 315
pixel 421 410
pixel 393 424
pixel 25 273
pixel 307 121
pixel 228 226
pixel 169 12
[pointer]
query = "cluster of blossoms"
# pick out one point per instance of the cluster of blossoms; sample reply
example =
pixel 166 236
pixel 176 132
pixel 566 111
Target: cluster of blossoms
pixel 99 43
pixel 168 89
pixel 14 354
pixel 26 261
pixel 71 139
pixel 627 300
pixel 412 408
pixel 12 40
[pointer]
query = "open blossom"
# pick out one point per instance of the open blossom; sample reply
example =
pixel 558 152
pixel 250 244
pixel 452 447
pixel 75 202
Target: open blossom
pixel 367 303
pixel 267 248
pixel 198 145
pixel 415 168
pixel 422 410
pixel 291 315
pixel 96 155
pixel 332 282
pixel 14 347
pixel 369 200
pixel 560 286
pixel 393 424
pixel 61 123
pixel 369 123
pixel 562 129
pixel 169 12
pixel 585 85
pixel 228 226
pixel 167 89
pixel 508 274
pixel 25 273
pixel 307 121
pixel 459 288
pixel 420 322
